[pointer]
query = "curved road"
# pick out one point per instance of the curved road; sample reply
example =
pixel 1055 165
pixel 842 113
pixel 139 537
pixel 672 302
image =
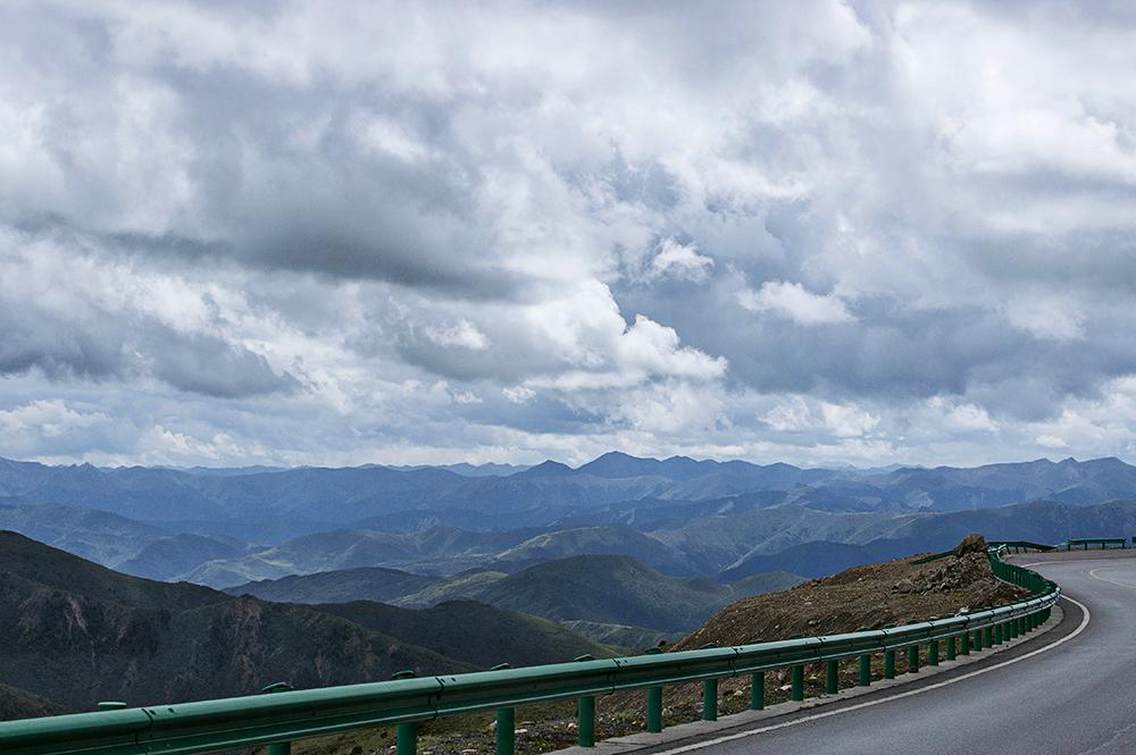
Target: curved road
pixel 1078 697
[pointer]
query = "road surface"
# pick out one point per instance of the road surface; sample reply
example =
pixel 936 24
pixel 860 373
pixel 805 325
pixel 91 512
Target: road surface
pixel 1078 697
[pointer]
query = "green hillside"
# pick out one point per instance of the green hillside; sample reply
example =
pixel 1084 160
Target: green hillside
pixel 473 632
pixel 367 583
pixel 608 589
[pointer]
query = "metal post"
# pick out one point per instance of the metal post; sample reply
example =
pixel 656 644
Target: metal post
pixel 951 648
pixel 710 700
pixel 506 731
pixel 933 653
pixel 654 709
pixel 988 637
pixel 964 643
pixel 797 683
pixel 889 664
pixel 865 670
pixel 757 691
pixel 586 721
pixel 406 739
pixel 276 748
pixel 913 659
pixel 406 735
pixel 832 677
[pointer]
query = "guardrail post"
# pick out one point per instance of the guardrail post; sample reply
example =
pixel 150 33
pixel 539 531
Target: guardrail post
pixel 654 702
pixel 757 691
pixel 585 714
pixel 889 664
pixel 964 643
pixel 797 683
pixel 865 679
pixel 406 734
pixel 933 653
pixel 832 676
pixel 710 700
pixel 951 648
pixel 654 709
pixel 406 739
pixel 988 637
pixel 586 721
pixel 506 731
pixel 913 659
pixel 276 748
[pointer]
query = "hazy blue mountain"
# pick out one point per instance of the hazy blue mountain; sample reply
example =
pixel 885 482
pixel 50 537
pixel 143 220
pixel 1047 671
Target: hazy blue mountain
pixel 1048 522
pixel 274 505
pixel 548 469
pixel 609 590
pixel 607 541
pixel 439 550
pixel 471 470
pixel 366 583
pixel 100 536
pixel 175 557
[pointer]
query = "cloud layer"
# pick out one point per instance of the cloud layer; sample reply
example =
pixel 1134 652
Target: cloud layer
pixel 817 231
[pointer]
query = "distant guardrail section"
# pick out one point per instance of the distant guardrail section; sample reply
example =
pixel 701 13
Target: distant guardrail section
pixel 285 716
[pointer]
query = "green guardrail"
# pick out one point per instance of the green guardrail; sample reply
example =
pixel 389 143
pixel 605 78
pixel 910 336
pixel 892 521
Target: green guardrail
pixel 1017 546
pixel 285 716
pixel 1103 542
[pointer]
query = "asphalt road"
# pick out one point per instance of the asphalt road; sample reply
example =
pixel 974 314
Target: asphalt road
pixel 1078 697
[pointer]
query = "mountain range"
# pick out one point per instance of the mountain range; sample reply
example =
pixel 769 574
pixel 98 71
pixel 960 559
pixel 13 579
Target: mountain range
pixel 76 633
pixel 456 530
pixel 606 590
pixel 271 505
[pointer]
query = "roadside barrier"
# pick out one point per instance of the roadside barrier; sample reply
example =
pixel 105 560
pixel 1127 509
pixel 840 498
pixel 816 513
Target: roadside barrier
pixel 284 716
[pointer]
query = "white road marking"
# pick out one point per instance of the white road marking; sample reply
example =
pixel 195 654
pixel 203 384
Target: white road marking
pixel 868 704
pixel 1094 575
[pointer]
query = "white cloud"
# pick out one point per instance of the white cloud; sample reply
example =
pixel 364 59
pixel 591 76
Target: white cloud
pixel 462 334
pixel 392 212
pixel 518 394
pixel 1047 317
pixel 800 415
pixel 680 261
pixel 794 302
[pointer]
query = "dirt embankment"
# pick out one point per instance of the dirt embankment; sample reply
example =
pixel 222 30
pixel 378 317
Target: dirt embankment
pixel 869 597
pixel 873 596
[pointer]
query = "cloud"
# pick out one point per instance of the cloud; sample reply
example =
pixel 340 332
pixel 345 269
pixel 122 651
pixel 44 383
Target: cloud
pixel 462 334
pixel 815 231
pixel 792 301
pixel 680 261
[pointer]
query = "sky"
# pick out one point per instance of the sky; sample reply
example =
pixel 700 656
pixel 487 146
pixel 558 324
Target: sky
pixel 357 232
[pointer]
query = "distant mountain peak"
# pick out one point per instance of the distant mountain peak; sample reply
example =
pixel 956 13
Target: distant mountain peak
pixel 548 468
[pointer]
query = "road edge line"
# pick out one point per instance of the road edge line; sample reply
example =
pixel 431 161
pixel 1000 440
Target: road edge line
pixel 1086 616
